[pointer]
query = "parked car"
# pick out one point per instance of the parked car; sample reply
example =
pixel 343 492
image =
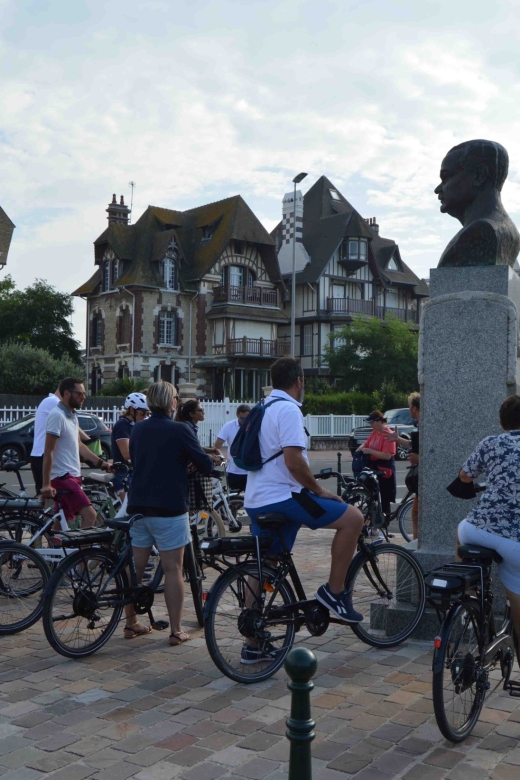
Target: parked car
pixel 16 438
pixel 399 417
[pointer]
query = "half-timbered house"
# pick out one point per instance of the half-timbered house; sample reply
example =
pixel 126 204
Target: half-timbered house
pixel 344 269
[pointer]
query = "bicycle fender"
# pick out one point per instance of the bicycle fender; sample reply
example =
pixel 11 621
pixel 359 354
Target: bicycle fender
pixel 437 658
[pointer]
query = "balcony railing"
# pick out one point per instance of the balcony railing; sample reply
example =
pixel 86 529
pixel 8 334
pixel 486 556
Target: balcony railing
pixel 271 348
pixel 354 306
pixel 257 296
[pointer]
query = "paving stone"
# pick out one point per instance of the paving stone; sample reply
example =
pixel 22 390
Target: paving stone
pixel 32 719
pixel 444 758
pixel 57 741
pixel 259 741
pixel 371 773
pixel 160 771
pixel 349 762
pixel 148 756
pixel 19 758
pixel 119 771
pixel 464 771
pixel 190 755
pixel 76 771
pixel 499 743
pixel 176 742
pixel 327 750
pixel 12 743
pixel 206 771
pixel 509 729
pixel 392 732
pixel 414 745
pixel 231 756
pixel 135 743
pixel 24 773
pixel 424 772
pixel 49 762
pixel 257 768
pixel 505 771
pixel 120 713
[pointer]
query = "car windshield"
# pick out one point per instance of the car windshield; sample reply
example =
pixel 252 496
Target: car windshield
pixel 398 416
pixel 17 425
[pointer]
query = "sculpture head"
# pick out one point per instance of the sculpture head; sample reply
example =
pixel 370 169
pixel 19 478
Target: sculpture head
pixel 469 170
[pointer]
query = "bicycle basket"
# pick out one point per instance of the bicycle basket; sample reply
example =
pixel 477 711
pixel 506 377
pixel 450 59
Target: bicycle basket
pixel 232 545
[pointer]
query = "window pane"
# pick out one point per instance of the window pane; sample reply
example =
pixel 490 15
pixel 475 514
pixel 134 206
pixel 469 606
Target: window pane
pixel 236 276
pixel 353 249
pixel 363 250
pixel 106 275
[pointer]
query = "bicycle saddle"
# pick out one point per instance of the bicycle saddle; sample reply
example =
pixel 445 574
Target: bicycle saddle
pixel 478 554
pixel 271 520
pixel 12 466
pixel 122 523
pixel 104 478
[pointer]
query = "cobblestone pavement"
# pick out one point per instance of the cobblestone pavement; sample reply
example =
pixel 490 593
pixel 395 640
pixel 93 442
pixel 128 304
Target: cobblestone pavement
pixel 142 709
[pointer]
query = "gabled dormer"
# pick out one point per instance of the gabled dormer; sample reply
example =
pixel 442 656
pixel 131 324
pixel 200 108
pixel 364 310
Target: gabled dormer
pixel 353 251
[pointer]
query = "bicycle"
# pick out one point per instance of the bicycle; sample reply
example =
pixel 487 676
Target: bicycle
pixel 363 492
pixel 23 578
pixel 261 599
pixel 469 646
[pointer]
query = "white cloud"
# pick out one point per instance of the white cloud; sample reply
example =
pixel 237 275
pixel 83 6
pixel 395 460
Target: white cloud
pixel 219 98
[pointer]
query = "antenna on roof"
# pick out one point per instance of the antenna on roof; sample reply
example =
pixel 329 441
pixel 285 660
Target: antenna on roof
pixel 132 184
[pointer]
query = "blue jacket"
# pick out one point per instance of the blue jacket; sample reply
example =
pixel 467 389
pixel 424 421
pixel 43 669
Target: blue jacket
pixel 161 450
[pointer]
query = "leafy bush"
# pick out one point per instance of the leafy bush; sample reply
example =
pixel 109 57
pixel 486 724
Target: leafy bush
pixel 317 385
pixel 28 370
pixel 338 403
pixel 122 387
pixel 389 397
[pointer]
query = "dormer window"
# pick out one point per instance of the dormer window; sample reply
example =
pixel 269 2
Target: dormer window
pixel 239 247
pixel 110 269
pixel 115 270
pixel 392 264
pixel 334 195
pixel 207 231
pixel 170 267
pixel 357 249
pixel 106 275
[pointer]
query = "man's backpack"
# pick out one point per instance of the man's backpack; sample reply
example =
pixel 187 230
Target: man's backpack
pixel 245 449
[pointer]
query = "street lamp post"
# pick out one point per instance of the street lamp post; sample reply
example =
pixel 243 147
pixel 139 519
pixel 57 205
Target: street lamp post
pixel 296 180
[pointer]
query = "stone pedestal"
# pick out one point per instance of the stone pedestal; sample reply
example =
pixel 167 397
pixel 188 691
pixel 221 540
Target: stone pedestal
pixel 187 390
pixel 467 366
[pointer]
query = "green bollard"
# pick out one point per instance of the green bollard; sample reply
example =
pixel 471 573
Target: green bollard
pixel 300 665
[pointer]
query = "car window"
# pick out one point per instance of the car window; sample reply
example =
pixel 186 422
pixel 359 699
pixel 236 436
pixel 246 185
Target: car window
pixel 18 425
pixel 86 423
pixel 399 417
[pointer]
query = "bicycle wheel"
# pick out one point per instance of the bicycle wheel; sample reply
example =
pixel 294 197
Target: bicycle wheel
pixel 22 528
pixel 214 526
pixel 459 681
pixel 193 575
pixel 83 602
pixel 234 614
pixel 237 516
pixel 23 578
pixel 404 518
pixel 387 586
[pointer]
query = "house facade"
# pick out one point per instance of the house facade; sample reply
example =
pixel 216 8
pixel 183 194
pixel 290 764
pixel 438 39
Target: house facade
pixel 6 233
pixel 345 268
pixel 192 297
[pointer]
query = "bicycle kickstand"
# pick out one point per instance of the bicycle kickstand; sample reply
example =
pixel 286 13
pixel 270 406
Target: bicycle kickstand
pixel 157 625
pixel 513 686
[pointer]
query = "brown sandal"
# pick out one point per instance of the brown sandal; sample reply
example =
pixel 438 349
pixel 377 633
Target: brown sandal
pixel 130 632
pixel 178 637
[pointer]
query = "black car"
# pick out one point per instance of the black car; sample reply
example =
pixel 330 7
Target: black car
pixel 400 417
pixel 16 438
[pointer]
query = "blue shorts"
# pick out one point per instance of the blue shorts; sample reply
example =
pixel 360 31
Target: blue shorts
pixel 167 533
pixel 302 509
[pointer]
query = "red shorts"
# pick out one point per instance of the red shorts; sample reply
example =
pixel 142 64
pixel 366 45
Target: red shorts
pixel 71 502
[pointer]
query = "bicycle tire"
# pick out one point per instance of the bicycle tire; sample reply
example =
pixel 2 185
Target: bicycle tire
pixel 236 506
pixel 21 528
pixel 226 606
pixel 193 575
pixel 404 519
pixel 389 591
pixel 23 578
pixel 452 668
pixel 214 528
pixel 71 611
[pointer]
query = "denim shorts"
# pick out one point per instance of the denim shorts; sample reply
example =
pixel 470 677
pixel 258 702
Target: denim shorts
pixel 509 549
pixel 167 533
pixel 303 508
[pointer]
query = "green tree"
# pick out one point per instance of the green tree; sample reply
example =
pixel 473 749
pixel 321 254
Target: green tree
pixel 39 316
pixel 31 371
pixel 122 387
pixel 371 353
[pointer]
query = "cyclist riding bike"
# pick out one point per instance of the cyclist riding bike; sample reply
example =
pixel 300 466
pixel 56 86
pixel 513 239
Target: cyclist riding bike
pixel 285 484
pixel 495 521
pixel 136 410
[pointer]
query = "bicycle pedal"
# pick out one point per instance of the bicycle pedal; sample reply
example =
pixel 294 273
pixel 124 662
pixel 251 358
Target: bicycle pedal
pixel 513 686
pixel 160 625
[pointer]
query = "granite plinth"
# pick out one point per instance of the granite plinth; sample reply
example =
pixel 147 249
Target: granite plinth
pixel 467 366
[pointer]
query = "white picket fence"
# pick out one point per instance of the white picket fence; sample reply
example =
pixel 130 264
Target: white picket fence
pixel 216 414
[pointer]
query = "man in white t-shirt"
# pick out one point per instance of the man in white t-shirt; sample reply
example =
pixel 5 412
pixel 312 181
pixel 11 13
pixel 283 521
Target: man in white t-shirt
pixel 40 425
pixel 236 478
pixel 285 484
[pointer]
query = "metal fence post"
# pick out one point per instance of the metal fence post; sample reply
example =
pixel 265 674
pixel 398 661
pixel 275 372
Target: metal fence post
pixel 300 665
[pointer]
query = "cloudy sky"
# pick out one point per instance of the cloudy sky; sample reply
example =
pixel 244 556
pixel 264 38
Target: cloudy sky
pixel 197 100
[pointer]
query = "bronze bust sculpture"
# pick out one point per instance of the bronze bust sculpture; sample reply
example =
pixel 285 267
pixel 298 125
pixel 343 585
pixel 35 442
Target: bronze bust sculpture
pixel 472 176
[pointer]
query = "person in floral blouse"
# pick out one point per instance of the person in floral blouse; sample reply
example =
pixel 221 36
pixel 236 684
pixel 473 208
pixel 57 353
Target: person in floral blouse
pixel 495 521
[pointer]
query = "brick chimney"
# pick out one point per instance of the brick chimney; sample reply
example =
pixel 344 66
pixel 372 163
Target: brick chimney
pixel 118 212
pixel 372 223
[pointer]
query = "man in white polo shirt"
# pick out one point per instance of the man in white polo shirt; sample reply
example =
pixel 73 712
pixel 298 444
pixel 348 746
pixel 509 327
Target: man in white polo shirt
pixel 40 424
pixel 236 478
pixel 285 484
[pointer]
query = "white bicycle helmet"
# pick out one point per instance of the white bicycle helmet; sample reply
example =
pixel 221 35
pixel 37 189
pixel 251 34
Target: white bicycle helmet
pixel 136 401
